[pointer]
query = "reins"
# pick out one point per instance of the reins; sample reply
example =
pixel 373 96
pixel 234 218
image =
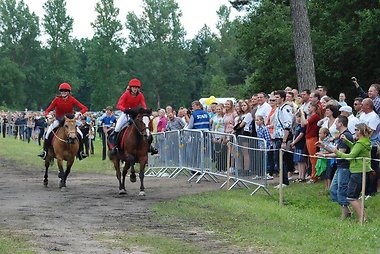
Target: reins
pixel 64 141
pixel 137 128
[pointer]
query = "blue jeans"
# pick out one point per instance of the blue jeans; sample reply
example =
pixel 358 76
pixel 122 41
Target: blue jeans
pixel 339 186
pixel 28 133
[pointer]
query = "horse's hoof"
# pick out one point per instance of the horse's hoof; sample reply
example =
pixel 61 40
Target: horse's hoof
pixel 122 192
pixel 45 183
pixel 63 189
pixel 133 179
pixel 62 184
pixel 142 193
pixel 61 175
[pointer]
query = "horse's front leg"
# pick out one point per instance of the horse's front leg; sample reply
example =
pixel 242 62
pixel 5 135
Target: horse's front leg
pixel 47 165
pixel 143 163
pixel 69 164
pixel 125 171
pixel 116 164
pixel 61 173
pixel 133 177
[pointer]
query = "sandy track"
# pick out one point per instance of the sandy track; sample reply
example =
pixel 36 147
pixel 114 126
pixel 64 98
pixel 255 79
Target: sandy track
pixel 71 221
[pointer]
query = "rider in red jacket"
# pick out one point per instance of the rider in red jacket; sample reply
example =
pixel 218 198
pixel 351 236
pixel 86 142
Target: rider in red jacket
pixel 63 104
pixel 131 98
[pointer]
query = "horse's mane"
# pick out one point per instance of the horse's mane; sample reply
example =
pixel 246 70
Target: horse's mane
pixel 133 112
pixel 70 116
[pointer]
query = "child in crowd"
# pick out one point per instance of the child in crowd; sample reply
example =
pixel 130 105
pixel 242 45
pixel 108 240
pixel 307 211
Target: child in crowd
pixel 323 163
pixel 298 145
pixel 263 132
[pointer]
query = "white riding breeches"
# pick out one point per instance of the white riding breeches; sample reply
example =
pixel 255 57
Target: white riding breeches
pixel 55 124
pixel 121 122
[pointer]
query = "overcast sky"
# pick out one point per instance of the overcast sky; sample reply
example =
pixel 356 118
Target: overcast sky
pixel 196 13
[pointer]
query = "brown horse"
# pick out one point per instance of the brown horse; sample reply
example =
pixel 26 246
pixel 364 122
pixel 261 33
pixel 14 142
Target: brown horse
pixel 135 146
pixel 64 147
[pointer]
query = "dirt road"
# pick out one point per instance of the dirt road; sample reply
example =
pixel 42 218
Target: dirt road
pixel 71 221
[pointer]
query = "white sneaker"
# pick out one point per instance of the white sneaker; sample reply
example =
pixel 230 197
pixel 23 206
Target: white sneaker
pixel 232 170
pixel 269 177
pixel 279 185
pixel 256 177
pixel 290 178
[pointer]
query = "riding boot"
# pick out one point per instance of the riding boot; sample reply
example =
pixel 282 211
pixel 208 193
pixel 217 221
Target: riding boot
pixel 153 150
pixel 81 155
pixel 47 142
pixel 113 142
pixel 44 153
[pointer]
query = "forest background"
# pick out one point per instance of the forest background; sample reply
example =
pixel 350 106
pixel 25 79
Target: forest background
pixel 251 53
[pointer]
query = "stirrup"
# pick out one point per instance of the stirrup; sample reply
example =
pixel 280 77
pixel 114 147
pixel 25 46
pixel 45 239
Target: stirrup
pixel 153 150
pixel 43 155
pixel 114 150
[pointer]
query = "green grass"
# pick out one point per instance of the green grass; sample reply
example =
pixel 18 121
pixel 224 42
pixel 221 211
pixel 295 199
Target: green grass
pixel 17 150
pixel 154 244
pixel 11 244
pixel 308 223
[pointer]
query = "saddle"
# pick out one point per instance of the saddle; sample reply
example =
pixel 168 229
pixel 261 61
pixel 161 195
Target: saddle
pixel 121 135
pixel 118 139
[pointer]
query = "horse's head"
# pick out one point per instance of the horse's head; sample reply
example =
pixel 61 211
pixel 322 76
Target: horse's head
pixel 70 127
pixel 143 123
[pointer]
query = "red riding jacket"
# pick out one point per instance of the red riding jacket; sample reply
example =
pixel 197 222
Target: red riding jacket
pixel 127 100
pixel 64 106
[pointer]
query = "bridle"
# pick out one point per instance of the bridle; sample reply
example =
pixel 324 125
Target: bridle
pixel 143 130
pixel 69 140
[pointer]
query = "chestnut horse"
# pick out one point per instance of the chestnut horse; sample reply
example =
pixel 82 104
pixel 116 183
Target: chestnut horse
pixel 64 147
pixel 135 145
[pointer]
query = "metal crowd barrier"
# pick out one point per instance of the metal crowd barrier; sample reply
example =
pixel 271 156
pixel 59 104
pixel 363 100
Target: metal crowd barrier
pixel 168 161
pixel 210 156
pixel 13 130
pixel 251 162
pixel 192 152
pixel 156 163
pixel 219 161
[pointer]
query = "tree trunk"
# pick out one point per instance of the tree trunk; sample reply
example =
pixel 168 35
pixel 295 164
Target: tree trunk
pixel 302 45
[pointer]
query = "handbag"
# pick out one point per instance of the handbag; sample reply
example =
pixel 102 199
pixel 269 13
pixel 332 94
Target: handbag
pixel 238 129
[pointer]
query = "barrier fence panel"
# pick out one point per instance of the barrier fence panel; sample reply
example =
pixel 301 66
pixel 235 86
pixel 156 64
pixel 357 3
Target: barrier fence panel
pixel 218 161
pixel 251 162
pixel 192 152
pixel 172 148
pixel 156 163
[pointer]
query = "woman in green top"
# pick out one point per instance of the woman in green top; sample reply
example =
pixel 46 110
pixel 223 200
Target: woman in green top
pixel 360 149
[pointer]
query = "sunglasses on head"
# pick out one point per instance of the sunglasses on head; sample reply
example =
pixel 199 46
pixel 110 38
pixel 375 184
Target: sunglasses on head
pixel 64 90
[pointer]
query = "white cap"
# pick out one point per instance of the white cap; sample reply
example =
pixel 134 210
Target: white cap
pixel 346 109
